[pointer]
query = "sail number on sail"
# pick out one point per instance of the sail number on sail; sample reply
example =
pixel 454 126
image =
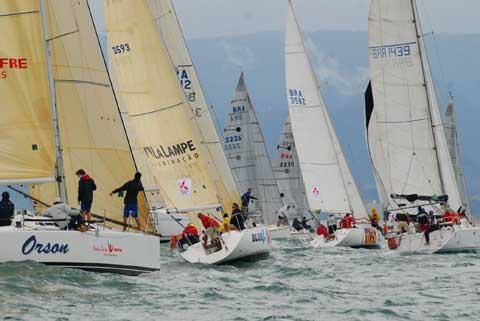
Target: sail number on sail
pixel 392 51
pixel 121 49
pixel 296 97
pixel 11 63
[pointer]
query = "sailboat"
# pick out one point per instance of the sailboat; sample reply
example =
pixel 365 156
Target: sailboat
pixel 59 114
pixel 329 184
pixel 289 179
pixel 169 134
pixel 406 136
pixel 164 14
pixel 450 125
pixel 248 157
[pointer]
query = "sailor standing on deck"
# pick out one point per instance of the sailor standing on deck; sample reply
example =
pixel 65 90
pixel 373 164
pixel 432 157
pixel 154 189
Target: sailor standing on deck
pixel 246 200
pixel 86 187
pixel 132 188
pixel 6 210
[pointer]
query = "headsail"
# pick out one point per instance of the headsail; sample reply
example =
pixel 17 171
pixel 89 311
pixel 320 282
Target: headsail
pixel 91 130
pixel 328 181
pixel 158 109
pixel 288 175
pixel 169 27
pixel 247 154
pixel 450 124
pixel 27 152
pixel 406 137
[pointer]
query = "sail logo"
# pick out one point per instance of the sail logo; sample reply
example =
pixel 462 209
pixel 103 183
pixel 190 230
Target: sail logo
pixel 184 78
pixel 370 237
pixel 32 245
pixel 185 187
pixel 173 154
pixel 11 63
pixel 239 109
pixel 296 97
pixel 316 191
pixel 261 237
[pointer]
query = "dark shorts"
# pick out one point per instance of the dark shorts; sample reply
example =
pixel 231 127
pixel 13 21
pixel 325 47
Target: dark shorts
pixel 86 206
pixel 130 210
pixel 332 229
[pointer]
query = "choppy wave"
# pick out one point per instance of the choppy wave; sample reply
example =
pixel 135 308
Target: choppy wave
pixel 294 283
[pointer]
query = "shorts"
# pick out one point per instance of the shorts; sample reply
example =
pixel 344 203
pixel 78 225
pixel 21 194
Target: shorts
pixel 130 210
pixel 332 229
pixel 86 206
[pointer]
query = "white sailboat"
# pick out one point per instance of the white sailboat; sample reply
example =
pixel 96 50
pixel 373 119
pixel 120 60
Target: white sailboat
pixel 249 161
pixel 164 14
pixel 289 179
pixel 406 135
pixel 329 184
pixel 450 125
pixel 58 115
pixel 169 134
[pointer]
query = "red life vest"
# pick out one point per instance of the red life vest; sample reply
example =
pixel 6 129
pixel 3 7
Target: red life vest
pixel 190 230
pixel 208 222
pixel 322 230
pixel 347 222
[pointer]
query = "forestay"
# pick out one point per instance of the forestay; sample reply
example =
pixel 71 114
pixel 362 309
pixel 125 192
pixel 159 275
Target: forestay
pixel 26 134
pixel 405 131
pixel 329 184
pixel 288 175
pixel 158 110
pixel 247 154
pixel 169 27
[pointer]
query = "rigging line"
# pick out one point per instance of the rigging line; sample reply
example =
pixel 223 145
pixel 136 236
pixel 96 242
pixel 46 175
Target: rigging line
pixel 18 13
pixel 157 110
pixel 87 82
pixel 63 35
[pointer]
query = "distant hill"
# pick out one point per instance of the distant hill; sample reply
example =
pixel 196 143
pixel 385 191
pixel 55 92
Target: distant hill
pixel 342 66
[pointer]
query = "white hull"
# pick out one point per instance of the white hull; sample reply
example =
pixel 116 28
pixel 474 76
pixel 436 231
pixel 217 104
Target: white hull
pixel 168 225
pixel 358 237
pixel 302 235
pixel 446 240
pixel 279 232
pixel 101 250
pixel 250 243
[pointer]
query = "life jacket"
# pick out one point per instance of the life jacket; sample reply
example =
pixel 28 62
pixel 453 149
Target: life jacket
pixel 208 222
pixel 347 222
pixel 322 230
pixel 190 230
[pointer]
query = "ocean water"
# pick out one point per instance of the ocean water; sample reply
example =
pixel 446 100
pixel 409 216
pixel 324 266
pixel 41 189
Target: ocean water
pixel 295 283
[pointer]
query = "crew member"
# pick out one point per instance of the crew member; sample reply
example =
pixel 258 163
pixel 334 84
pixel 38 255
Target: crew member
pixel 64 216
pixel 190 236
pixel 332 223
pixel 86 187
pixel 237 219
pixel 246 197
pixel 132 188
pixel 6 210
pixel 347 221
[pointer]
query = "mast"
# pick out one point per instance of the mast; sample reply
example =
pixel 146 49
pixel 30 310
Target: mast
pixel 59 168
pixel 422 57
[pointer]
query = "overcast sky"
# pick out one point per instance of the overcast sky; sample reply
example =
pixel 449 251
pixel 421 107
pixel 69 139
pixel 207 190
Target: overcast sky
pixel 209 18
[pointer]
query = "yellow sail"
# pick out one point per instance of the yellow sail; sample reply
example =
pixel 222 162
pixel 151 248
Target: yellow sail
pixel 158 109
pixel 91 130
pixel 169 27
pixel 26 134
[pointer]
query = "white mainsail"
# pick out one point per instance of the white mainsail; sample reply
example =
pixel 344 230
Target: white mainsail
pixel 90 132
pixel 450 124
pixel 329 184
pixel 405 132
pixel 169 27
pixel 288 175
pixel 247 154
pixel 165 128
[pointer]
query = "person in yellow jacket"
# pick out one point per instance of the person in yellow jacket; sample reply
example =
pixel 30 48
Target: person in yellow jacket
pixel 225 225
pixel 374 219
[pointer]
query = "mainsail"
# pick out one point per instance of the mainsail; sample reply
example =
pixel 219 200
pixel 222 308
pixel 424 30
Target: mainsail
pixel 450 124
pixel 288 175
pixel 90 130
pixel 247 154
pixel 169 27
pixel 27 151
pixel 329 184
pixel 159 111
pixel 405 132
